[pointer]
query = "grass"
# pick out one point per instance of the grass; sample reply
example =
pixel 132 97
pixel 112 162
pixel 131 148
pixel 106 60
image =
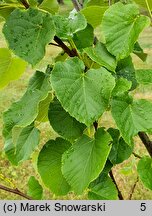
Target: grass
pixel 124 173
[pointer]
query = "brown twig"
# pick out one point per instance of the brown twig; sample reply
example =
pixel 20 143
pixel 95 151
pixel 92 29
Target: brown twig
pixel 146 141
pixel 54 44
pixel 136 155
pixel 15 191
pixel 95 124
pixel 77 5
pixel 114 181
pixel 133 189
pixel 66 49
pixel 25 3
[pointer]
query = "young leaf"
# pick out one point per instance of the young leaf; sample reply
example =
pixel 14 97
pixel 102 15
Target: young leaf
pixel 84 38
pixel 49 5
pixel 97 12
pixel 66 27
pixel 29 35
pixel 125 68
pixel 49 165
pixel 144 76
pixel 131 116
pixel 77 21
pixel 8 65
pixel 100 55
pixel 145 171
pixel 105 190
pixel 83 162
pixel 64 124
pixel 19 147
pixel 120 149
pixel 35 190
pixel 84 95
pixel 121 27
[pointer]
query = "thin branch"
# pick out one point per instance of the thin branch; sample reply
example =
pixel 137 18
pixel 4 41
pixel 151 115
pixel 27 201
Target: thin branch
pixel 146 141
pixel 25 3
pixel 95 124
pixel 136 155
pixel 114 181
pixel 15 191
pixel 77 5
pixel 71 53
pixel 54 44
pixel 133 189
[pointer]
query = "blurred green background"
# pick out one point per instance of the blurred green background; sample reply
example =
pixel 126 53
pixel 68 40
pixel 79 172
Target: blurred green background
pixel 125 173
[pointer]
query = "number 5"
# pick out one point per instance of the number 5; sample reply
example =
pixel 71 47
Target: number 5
pixel 143 207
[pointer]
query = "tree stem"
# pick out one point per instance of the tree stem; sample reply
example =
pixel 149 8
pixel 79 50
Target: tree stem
pixel 15 191
pixel 114 181
pixel 146 141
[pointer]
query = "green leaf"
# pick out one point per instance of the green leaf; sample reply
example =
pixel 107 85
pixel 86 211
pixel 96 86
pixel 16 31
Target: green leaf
pixel 64 124
pixel 22 146
pixel 97 13
pixel 120 149
pixel 122 86
pixel 43 109
pixel 121 27
pixel 84 38
pixel 49 166
pixel 83 162
pixel 100 55
pixel 24 111
pixel 131 116
pixel 145 171
pixel 6 9
pixel 26 143
pixel 35 190
pixel 108 166
pixel 143 3
pixel 66 27
pixel 144 76
pixel 84 95
pixel 77 21
pixel 105 190
pixel 29 35
pixel 125 68
pixel 33 3
pixel 98 2
pixel 8 65
pixel 51 6
pixel 139 52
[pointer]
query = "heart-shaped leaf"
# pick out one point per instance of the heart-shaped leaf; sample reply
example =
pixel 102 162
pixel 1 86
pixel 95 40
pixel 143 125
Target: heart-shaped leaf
pixel 28 32
pixel 86 158
pixel 84 95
